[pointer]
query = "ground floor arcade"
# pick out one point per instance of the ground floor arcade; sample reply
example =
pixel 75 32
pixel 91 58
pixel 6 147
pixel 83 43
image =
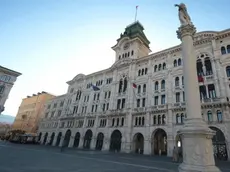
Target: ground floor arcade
pixel 159 142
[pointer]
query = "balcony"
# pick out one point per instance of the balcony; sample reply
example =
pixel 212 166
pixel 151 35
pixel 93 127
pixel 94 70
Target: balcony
pixel 176 104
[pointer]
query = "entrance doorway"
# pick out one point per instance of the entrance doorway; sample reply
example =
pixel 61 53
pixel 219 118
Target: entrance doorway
pixel 219 145
pixel 67 138
pixel 115 141
pixel 88 138
pixel 52 139
pixel 138 143
pixel 160 142
pixel 100 138
pixel 76 140
pixel 45 138
pixel 58 139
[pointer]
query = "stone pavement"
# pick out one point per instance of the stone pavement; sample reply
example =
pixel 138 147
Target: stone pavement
pixel 36 158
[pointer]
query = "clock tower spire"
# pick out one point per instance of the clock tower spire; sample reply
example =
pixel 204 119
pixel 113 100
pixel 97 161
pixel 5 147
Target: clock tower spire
pixel 132 43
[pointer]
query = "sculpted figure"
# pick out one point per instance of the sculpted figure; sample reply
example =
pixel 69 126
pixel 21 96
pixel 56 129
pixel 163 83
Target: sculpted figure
pixel 183 14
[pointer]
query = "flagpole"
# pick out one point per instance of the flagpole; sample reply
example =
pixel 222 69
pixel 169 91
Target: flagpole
pixel 136 13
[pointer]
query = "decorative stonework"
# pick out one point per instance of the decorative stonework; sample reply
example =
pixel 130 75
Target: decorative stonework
pixel 186 30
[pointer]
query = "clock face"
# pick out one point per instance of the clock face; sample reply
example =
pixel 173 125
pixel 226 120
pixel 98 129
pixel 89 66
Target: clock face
pixel 126 46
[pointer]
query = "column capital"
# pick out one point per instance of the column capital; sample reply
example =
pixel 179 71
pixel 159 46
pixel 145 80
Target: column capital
pixel 186 30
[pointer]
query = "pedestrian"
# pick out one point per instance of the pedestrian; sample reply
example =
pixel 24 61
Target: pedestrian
pixel 175 154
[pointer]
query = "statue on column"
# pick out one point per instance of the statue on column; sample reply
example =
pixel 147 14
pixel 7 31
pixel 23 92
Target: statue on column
pixel 183 14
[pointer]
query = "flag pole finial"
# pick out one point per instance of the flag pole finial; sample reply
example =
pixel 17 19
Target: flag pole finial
pixel 136 13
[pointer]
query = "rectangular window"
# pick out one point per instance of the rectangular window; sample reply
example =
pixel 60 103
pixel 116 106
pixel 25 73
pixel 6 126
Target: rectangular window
pixel 105 95
pixel 92 108
pixel 59 113
pixel 162 99
pixel 85 108
pixel 177 97
pixel 103 107
pixel 62 103
pixel 138 102
pixel 156 100
pixel 143 102
pixel 123 103
pixel 107 108
pixel 96 108
pixel 183 97
pixel 82 110
pixel 109 94
pixel 118 103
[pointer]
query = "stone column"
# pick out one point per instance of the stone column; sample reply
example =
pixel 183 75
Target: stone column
pixel 195 134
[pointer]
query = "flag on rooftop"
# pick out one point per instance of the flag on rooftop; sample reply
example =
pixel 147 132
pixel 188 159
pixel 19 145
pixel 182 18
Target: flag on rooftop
pixel 95 88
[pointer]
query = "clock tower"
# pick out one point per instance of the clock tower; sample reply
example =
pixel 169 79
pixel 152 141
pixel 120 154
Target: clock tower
pixel 132 43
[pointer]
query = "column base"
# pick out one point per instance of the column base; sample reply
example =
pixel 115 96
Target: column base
pixel 197 147
pixel 192 168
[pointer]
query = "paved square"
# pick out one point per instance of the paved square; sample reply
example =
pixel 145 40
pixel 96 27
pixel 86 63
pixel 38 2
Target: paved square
pixel 36 158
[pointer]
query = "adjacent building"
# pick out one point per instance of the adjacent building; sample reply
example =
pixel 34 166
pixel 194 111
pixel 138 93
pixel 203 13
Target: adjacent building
pixel 7 80
pixel 138 104
pixel 30 112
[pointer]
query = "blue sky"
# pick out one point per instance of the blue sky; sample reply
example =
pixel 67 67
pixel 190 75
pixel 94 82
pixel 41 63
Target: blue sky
pixel 51 41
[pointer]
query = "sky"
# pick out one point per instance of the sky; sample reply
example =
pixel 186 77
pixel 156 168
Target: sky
pixel 51 41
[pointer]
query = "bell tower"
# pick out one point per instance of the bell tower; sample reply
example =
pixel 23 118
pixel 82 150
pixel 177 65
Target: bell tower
pixel 132 43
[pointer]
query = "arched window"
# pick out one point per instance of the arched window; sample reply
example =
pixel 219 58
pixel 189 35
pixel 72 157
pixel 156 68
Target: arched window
pixel 155 68
pixel 120 85
pixel 125 54
pixel 139 89
pixel 117 121
pixel 113 122
pixel 163 119
pixel 119 57
pixel 228 48
pixel 144 88
pixel 136 119
pixel 156 85
pixel 179 62
pixel 146 71
pixel 159 119
pixel 142 72
pixel 208 66
pixel 128 54
pixel 175 63
pixel 131 52
pixel 159 67
pixel 209 116
pixel 228 71
pixel 139 72
pixel 223 50
pixel 182 80
pixel 143 120
pixel 163 84
pixel 182 118
pixel 164 66
pixel 139 120
pixel 199 67
pixel 2 88
pixel 122 121
pixel 219 116
pixel 178 119
pixel 125 84
pixel 154 120
pixel 177 80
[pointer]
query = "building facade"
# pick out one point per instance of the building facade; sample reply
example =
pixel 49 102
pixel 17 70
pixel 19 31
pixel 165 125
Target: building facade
pixel 7 80
pixel 30 112
pixel 140 104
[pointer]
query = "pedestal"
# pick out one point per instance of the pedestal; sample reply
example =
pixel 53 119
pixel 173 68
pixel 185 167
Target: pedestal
pixel 195 135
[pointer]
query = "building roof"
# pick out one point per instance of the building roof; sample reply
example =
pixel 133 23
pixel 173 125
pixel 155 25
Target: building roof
pixel 9 71
pixel 134 30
